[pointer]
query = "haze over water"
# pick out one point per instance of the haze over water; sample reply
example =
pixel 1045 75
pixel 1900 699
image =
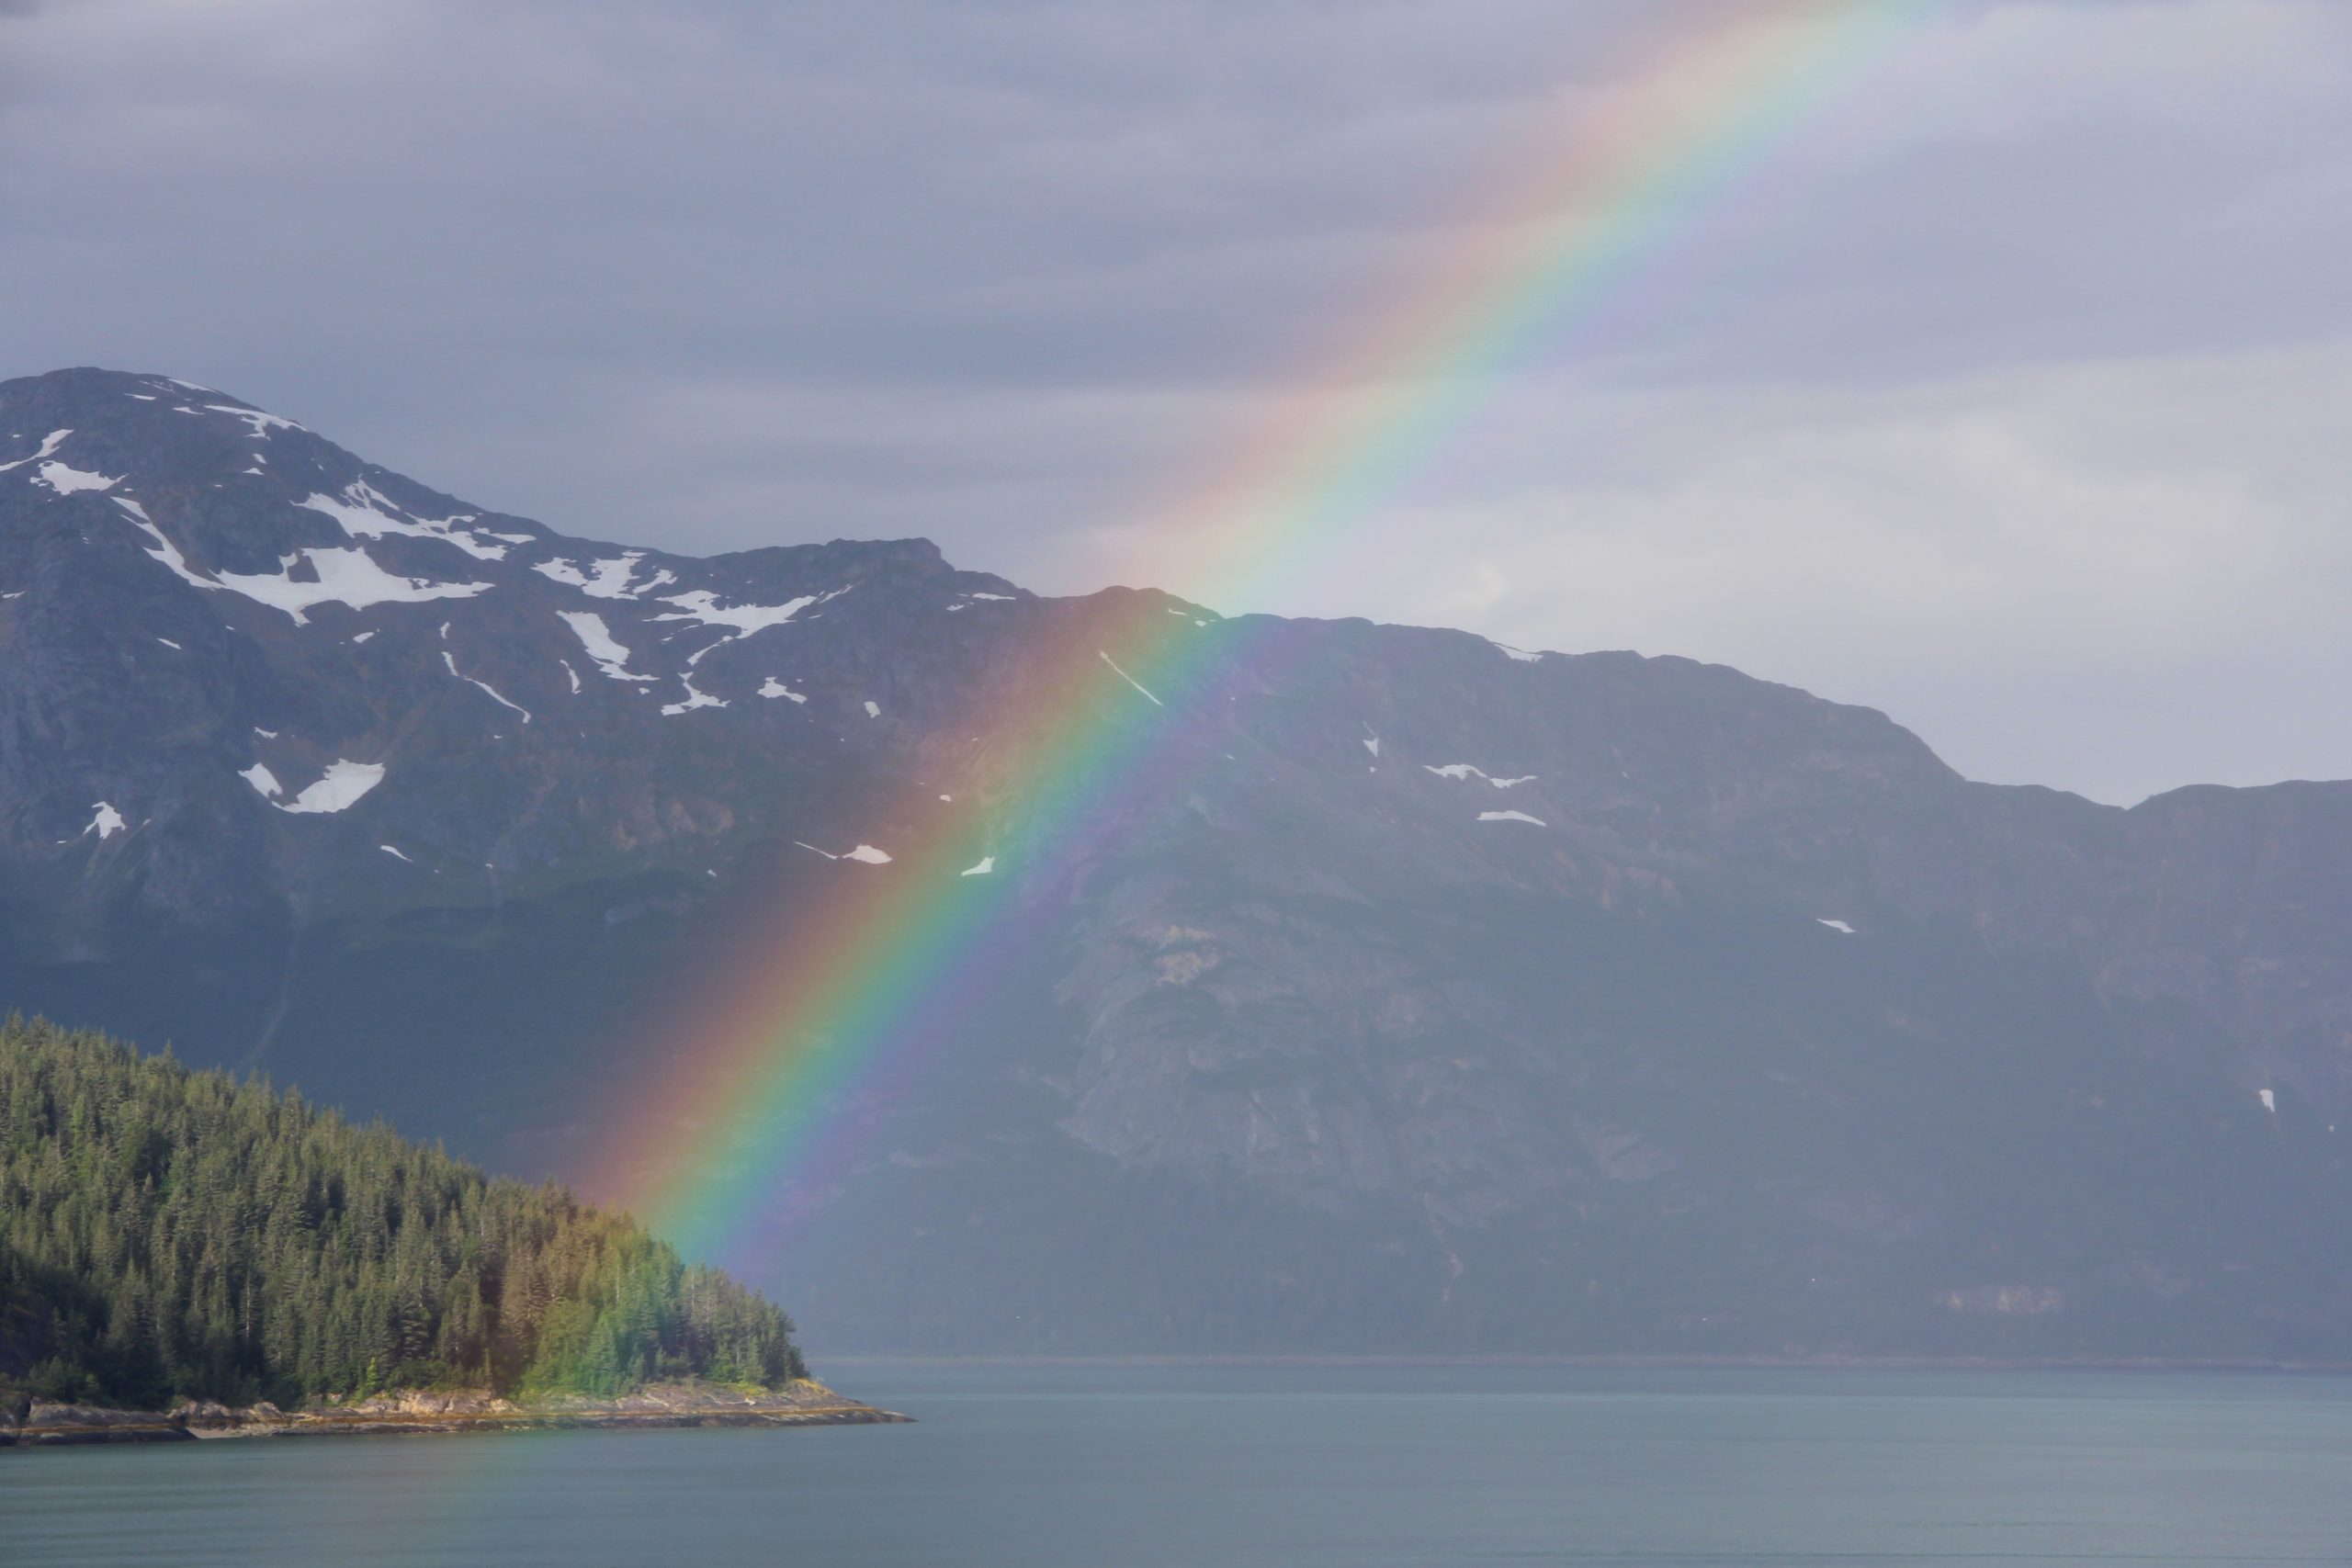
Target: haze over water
pixel 1072 1467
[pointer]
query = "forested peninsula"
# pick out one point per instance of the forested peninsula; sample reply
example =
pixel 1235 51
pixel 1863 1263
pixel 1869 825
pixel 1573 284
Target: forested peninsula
pixel 225 1256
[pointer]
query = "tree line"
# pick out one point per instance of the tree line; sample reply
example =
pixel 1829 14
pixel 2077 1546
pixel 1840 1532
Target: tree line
pixel 168 1234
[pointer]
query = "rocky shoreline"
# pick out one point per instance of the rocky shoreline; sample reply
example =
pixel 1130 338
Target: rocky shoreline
pixel 44 1424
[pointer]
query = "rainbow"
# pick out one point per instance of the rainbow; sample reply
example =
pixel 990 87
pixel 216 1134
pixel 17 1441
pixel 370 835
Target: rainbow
pixel 743 1109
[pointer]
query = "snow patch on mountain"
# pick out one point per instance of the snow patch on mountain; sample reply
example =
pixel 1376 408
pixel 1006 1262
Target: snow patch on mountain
pixel 694 700
pixel 342 786
pixel 164 549
pixel 1511 816
pixel 1130 679
pixel 344 577
pixel 105 824
pixel 263 779
pixel 1836 926
pixel 49 442
pixel 771 687
pixel 484 686
pixel 67 480
pixel 598 579
pixel 261 423
pixel 367 513
pixel 865 852
pixel 987 865
pixel 702 608
pixel 608 655
pixel 1472 771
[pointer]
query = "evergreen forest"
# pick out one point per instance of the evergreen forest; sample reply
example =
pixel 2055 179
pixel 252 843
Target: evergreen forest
pixel 170 1233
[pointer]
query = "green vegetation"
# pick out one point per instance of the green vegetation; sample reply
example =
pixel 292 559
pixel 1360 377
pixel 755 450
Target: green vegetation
pixel 168 1233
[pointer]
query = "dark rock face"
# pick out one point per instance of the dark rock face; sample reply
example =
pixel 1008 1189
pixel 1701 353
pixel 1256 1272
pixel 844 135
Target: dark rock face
pixel 1426 995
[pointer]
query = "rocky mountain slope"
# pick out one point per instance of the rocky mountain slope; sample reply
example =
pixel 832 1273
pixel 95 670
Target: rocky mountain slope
pixel 1437 995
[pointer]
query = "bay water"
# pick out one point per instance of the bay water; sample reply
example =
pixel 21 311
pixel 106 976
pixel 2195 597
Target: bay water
pixel 1076 1466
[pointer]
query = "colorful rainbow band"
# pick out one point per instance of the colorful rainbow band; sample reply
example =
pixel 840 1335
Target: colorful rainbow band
pixel 878 978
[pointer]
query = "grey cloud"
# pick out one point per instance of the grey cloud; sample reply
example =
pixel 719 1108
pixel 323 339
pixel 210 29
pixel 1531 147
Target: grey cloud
pixel 719 274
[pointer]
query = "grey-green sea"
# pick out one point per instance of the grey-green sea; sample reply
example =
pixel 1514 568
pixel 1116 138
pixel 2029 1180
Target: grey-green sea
pixel 1060 1466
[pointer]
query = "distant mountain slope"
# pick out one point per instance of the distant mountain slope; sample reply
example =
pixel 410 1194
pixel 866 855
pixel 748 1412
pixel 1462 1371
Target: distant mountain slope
pixel 1442 997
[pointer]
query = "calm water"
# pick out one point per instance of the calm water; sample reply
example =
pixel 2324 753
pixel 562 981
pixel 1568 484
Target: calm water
pixel 1057 1467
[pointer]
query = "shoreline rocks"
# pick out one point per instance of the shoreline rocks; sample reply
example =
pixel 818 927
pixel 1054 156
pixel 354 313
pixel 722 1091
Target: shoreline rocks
pixel 45 1424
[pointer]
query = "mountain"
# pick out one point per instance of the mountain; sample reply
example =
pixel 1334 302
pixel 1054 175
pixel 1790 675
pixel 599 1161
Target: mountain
pixel 1431 996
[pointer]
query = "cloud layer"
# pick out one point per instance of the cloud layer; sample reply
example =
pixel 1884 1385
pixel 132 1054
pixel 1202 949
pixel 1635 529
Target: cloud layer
pixel 2002 397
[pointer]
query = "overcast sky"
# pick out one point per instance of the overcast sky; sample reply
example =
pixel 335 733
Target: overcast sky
pixel 2007 392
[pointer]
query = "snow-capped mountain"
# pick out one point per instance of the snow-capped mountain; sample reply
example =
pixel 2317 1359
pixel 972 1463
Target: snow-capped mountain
pixel 226 634
pixel 1444 997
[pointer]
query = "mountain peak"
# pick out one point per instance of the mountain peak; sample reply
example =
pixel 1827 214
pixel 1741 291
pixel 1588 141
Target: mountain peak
pixel 84 379
pixel 153 436
pixel 93 392
pixel 321 634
